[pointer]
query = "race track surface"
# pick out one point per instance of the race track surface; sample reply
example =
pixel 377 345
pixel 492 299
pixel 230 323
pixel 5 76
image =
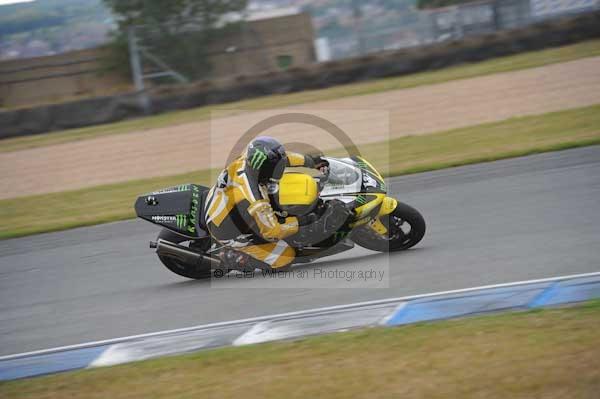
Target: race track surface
pixel 519 219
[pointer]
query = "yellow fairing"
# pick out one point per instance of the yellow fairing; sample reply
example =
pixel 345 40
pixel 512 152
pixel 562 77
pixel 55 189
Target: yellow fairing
pixel 373 170
pixel 388 206
pixel 297 189
pixel 367 208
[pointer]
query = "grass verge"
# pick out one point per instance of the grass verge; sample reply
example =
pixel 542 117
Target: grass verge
pixel 504 64
pixel 548 353
pixel 510 138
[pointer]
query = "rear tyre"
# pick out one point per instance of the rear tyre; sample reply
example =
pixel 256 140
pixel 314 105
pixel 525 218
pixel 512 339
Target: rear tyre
pixel 196 272
pixel 406 227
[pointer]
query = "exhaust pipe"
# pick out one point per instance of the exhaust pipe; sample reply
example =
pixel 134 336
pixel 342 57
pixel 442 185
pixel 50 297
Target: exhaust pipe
pixel 183 254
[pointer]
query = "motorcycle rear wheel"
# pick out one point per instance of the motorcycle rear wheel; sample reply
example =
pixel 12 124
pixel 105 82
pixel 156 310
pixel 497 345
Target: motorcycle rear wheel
pixel 196 272
pixel 406 228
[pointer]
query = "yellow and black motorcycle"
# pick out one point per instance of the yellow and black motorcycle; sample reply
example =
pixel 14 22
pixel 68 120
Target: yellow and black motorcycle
pixel 377 222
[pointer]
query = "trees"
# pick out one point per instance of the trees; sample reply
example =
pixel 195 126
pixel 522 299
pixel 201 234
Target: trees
pixel 177 31
pixel 208 12
pixel 429 4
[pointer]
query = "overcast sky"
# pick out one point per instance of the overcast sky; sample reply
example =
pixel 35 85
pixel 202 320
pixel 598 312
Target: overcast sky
pixel 3 2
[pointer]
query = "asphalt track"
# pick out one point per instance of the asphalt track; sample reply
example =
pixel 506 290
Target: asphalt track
pixel 518 219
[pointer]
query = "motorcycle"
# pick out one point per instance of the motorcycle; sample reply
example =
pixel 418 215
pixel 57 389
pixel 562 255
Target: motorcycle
pixel 377 222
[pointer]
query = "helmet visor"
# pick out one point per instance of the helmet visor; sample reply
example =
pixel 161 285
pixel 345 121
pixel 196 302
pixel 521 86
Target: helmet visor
pixel 274 172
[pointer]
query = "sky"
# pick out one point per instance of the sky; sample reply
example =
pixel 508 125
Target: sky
pixel 4 2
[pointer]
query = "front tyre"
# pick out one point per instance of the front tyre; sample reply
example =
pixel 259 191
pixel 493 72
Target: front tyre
pixel 406 227
pixel 196 272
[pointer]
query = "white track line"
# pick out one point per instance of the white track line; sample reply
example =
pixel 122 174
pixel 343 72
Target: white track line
pixel 289 314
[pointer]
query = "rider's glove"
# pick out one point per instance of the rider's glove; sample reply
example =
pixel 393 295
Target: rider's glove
pixel 315 228
pixel 321 164
pixel 306 220
pixel 268 225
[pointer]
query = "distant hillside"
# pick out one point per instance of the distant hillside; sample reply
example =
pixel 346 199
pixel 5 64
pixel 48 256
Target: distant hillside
pixel 46 27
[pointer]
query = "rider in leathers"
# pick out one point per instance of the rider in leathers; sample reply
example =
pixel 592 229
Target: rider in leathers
pixel 238 212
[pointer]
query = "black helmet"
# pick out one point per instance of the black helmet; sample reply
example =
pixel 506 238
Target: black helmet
pixel 266 159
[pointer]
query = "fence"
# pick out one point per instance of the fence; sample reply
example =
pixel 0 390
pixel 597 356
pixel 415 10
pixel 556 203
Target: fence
pixel 255 46
pixel 393 63
pixel 450 23
pixel 258 45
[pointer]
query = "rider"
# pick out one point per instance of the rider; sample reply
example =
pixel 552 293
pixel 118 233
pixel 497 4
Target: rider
pixel 238 212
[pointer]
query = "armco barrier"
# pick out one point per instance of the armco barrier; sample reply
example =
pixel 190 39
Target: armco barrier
pixel 388 312
pixel 393 63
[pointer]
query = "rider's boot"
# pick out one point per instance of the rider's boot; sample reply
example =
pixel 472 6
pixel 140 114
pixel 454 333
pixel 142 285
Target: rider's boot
pixel 235 260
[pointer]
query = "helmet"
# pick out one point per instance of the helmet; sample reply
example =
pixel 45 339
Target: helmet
pixel 266 159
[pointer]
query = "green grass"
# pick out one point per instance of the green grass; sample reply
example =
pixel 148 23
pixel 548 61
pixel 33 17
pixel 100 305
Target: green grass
pixel 493 141
pixel 504 64
pixel 510 138
pixel 551 353
pixel 95 205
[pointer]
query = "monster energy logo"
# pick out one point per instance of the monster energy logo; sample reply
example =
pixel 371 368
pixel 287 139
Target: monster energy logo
pixel 181 221
pixel 194 209
pixel 184 187
pixel 258 159
pixel 361 199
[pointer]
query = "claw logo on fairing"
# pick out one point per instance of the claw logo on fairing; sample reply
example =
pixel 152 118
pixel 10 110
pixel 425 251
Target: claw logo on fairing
pixel 181 221
pixel 361 199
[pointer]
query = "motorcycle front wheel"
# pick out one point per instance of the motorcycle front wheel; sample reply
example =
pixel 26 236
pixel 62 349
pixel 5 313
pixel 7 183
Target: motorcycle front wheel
pixel 406 227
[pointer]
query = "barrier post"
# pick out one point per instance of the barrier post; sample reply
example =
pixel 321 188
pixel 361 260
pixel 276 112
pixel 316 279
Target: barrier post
pixel 137 71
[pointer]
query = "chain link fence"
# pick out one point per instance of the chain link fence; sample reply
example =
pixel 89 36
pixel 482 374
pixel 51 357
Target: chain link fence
pixel 252 46
pixel 416 28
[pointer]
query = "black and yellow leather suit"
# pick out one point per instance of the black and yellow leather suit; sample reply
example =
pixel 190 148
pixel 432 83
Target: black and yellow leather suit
pixel 238 213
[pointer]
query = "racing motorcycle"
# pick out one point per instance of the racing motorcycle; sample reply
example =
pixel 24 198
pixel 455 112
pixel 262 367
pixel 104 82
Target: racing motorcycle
pixel 376 222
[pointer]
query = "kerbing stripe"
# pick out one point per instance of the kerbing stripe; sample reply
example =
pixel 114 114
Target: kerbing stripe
pixel 298 313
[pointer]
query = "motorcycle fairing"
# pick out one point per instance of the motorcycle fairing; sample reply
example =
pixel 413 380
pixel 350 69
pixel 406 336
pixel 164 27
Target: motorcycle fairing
pixel 367 205
pixel 176 208
pixel 344 178
pixel 352 175
pixel 372 180
pixel 355 181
